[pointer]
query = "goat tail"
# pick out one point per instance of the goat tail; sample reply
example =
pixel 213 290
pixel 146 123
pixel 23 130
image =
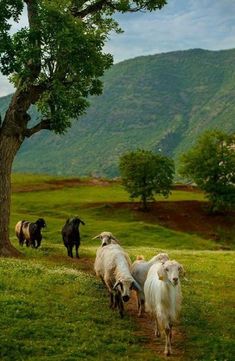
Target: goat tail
pixel 140 258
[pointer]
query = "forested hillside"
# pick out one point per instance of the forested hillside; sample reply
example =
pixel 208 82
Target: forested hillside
pixel 160 102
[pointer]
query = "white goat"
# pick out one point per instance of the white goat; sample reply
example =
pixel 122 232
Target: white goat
pixel 106 238
pixel 163 297
pixel 139 271
pixel 112 265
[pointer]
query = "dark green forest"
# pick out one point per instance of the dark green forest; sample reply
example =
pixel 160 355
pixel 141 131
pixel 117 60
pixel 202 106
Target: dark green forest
pixel 159 102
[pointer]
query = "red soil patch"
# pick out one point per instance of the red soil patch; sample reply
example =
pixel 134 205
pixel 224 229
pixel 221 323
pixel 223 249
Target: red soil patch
pixel 184 216
pixel 59 184
pixel 76 182
pixel 191 217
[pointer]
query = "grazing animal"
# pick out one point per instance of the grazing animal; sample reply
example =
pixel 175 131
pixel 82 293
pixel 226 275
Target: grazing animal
pixel 163 297
pixel 106 238
pixel 30 232
pixel 112 265
pixel 71 235
pixel 139 271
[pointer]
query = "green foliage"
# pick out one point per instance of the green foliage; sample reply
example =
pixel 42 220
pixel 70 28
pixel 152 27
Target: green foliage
pixel 145 174
pixel 211 165
pixel 60 52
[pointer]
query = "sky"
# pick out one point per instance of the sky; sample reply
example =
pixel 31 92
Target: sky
pixel 180 25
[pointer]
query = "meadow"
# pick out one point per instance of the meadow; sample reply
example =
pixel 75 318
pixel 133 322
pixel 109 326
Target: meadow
pixel 53 308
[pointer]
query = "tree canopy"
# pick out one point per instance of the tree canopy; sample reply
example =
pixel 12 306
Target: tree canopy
pixel 211 165
pixel 55 62
pixel 145 174
pixel 58 58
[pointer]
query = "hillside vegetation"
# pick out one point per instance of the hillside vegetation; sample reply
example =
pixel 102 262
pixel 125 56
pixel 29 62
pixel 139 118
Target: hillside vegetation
pixel 155 102
pixel 53 308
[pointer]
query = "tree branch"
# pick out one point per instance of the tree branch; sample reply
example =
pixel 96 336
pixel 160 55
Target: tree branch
pixel 99 5
pixel 90 9
pixel 44 124
pixel 34 24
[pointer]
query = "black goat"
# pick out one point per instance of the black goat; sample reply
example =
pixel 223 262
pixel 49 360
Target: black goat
pixel 30 232
pixel 71 235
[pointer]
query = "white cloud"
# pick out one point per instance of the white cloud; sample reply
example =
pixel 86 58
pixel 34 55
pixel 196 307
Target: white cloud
pixel 182 24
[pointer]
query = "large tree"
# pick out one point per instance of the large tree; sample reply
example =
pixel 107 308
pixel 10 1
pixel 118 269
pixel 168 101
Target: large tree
pixel 55 63
pixel 146 174
pixel 211 165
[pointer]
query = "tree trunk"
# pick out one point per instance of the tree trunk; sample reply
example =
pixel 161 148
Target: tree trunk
pixel 144 201
pixel 9 146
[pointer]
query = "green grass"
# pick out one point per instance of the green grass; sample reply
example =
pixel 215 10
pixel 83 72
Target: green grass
pixel 52 310
pixel 56 312
pixel 94 205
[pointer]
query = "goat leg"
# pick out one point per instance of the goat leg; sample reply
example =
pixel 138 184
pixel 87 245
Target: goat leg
pixel 157 329
pixel 70 251
pixel 77 255
pixel 112 303
pixel 168 341
pixel 120 305
pixel 21 240
pixel 39 239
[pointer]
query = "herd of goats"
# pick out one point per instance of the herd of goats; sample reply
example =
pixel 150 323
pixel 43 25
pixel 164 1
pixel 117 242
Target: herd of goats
pixel 156 282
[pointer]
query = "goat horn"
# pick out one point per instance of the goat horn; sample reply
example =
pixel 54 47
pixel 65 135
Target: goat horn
pixel 116 284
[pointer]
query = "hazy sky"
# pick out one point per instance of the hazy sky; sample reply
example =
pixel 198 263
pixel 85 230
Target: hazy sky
pixel 181 24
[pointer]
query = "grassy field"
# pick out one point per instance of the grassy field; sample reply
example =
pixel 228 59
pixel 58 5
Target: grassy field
pixel 53 309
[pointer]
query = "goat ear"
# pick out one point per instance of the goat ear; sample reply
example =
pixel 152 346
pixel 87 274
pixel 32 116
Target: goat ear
pixel 82 222
pixel 161 273
pixel 135 286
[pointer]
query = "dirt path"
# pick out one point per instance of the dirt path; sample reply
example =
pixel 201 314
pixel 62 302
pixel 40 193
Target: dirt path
pixel 144 325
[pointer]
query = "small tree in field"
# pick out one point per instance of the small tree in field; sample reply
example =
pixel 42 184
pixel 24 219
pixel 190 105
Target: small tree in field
pixel 55 63
pixel 211 165
pixel 145 174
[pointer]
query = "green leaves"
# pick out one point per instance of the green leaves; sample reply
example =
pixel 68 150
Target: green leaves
pixel 57 60
pixel 145 174
pixel 9 9
pixel 211 165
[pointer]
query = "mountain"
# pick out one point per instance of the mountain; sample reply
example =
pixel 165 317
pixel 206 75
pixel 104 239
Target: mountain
pixel 159 102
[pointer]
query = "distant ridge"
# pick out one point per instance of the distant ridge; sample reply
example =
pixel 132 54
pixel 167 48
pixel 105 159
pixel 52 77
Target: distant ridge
pixel 159 102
